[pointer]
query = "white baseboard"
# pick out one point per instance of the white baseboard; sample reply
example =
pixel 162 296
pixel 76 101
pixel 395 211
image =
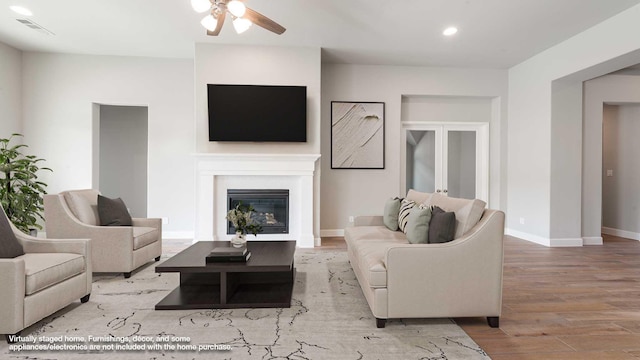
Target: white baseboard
pixel 178 234
pixel 568 242
pixel 529 237
pixel 592 240
pixel 331 232
pixel 621 233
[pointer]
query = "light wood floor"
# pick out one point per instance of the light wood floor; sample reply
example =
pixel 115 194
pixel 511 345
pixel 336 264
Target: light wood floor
pixel 562 303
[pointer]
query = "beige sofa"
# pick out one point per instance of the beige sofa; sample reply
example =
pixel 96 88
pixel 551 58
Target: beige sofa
pixel 74 214
pixel 50 275
pixel 461 278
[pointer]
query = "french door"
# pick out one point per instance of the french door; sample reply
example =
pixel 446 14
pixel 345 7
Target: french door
pixel 450 159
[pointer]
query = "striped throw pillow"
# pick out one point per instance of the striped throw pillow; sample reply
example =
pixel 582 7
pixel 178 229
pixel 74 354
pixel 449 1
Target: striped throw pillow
pixel 403 214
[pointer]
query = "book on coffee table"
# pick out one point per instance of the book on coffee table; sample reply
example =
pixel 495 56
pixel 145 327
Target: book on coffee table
pixel 228 251
pixel 228 254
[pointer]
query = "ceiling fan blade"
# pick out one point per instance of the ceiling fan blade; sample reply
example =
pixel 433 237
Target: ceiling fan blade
pixel 263 21
pixel 218 25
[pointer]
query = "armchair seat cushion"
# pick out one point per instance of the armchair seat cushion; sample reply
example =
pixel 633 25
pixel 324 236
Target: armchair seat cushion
pixel 143 236
pixel 371 244
pixel 46 269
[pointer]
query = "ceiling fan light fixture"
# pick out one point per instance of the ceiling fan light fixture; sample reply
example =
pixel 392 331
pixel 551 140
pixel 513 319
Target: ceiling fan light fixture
pixel 200 5
pixel 236 8
pixel 241 25
pixel 209 22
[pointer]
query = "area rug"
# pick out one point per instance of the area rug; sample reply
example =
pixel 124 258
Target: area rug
pixel 328 319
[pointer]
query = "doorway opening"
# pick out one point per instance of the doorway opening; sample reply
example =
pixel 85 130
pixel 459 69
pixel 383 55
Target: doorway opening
pixel 621 171
pixel 121 153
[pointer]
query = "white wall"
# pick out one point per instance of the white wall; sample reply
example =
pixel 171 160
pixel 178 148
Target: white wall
pixel 10 91
pixel 58 106
pixel 257 65
pixel 621 191
pixel 363 192
pixel 123 156
pixel 544 179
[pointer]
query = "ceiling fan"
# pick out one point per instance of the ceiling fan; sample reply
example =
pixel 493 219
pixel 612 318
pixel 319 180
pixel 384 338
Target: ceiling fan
pixel 243 17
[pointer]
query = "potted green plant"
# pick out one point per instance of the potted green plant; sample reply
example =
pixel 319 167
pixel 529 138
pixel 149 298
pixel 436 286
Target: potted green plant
pixel 20 190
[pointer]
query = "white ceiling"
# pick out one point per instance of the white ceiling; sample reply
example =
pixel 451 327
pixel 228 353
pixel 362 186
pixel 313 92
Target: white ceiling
pixel 493 33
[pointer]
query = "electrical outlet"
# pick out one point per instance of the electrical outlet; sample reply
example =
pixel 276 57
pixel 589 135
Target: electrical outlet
pixel 609 172
pixel 351 218
pixel 521 221
pixel 165 220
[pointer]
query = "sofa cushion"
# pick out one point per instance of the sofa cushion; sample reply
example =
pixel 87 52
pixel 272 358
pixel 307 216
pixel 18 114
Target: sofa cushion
pixel 403 215
pixel 442 226
pixel 418 197
pixel 113 212
pixel 84 205
pixel 418 224
pixel 45 269
pixel 143 236
pixel 468 212
pixel 10 247
pixel 390 216
pixel 370 243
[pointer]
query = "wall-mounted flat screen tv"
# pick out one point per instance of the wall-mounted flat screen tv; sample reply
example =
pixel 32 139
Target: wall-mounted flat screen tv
pixel 268 113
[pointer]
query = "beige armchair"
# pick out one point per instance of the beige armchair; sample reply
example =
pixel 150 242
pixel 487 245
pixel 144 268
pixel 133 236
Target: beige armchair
pixel 50 275
pixel 73 214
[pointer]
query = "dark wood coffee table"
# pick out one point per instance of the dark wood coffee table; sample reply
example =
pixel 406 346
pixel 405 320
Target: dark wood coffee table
pixel 265 280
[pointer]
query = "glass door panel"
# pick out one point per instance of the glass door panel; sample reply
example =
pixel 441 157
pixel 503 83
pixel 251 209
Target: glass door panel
pixel 421 160
pixel 460 164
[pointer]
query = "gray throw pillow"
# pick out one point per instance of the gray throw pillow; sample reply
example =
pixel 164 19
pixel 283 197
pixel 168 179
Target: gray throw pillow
pixel 418 224
pixel 390 216
pixel 10 247
pixel 403 214
pixel 442 227
pixel 113 212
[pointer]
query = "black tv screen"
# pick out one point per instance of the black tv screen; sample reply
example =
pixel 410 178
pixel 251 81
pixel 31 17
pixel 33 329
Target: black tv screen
pixel 257 113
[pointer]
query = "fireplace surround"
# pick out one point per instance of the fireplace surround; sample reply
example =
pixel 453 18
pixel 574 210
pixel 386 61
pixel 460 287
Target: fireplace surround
pixel 216 173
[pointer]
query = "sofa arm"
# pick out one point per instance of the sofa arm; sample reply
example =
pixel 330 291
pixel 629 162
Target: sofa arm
pixel 12 281
pixel 458 278
pixel 368 221
pixel 148 222
pixel 37 245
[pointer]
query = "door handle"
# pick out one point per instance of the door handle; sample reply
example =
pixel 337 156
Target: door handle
pixel 438 191
pixel 445 191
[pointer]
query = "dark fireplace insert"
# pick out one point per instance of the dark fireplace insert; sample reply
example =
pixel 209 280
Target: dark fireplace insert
pixel 271 208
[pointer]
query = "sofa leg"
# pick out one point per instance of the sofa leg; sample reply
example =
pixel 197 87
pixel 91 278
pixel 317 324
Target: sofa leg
pixel 127 275
pixel 494 321
pixel 85 298
pixel 158 258
pixel 11 338
pixel 380 323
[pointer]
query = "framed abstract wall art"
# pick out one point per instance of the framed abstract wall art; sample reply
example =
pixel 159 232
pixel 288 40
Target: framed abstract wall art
pixel 357 135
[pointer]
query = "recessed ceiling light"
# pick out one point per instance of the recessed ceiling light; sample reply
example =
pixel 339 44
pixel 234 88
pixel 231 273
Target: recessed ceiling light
pixel 21 10
pixel 450 31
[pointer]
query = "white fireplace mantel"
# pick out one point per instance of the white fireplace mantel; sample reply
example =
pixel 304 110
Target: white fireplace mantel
pixel 215 173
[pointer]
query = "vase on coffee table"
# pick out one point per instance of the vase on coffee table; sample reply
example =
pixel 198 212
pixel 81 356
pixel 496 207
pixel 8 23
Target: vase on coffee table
pixel 239 240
